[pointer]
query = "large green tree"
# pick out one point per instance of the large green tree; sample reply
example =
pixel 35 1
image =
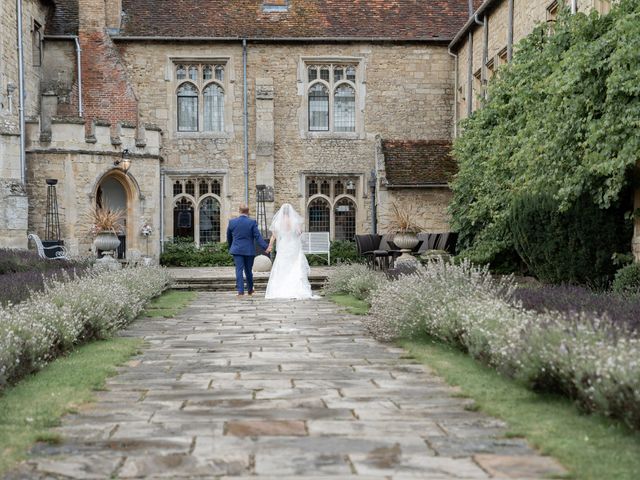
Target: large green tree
pixel 563 118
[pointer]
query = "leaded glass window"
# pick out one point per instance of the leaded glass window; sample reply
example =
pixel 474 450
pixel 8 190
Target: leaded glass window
pixel 332 98
pixel 345 219
pixel 318 108
pixel 189 188
pixel 203 188
pixel 204 86
pixel 345 109
pixel 319 215
pixel 215 187
pixel 213 108
pixel 183 219
pixel 187 108
pixel 209 227
pixel 177 188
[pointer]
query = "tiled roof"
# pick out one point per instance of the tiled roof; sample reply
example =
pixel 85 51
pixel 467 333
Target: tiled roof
pixel 376 19
pixel 418 162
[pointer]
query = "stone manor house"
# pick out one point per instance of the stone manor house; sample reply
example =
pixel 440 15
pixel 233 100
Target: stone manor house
pixel 339 107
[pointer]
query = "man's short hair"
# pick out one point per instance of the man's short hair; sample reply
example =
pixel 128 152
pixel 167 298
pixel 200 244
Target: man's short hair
pixel 244 209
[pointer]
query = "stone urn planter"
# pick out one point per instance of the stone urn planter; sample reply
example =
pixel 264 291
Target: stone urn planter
pixel 406 241
pixel 106 241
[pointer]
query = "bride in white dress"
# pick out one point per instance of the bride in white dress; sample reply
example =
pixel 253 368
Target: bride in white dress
pixel 290 271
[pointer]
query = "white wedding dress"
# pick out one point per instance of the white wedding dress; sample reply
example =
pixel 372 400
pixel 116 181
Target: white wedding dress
pixel 289 277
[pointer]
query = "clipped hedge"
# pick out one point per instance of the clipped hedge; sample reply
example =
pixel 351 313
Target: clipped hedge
pixel 34 332
pixel 184 253
pixel 575 246
pixel 627 281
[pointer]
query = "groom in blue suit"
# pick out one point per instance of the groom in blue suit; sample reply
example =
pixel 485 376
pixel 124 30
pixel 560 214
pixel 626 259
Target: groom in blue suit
pixel 241 235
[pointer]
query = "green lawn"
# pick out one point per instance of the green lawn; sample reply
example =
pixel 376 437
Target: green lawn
pixel 353 305
pixel 169 304
pixel 591 447
pixel 29 409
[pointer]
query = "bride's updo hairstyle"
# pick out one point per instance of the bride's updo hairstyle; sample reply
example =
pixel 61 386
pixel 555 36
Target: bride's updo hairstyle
pixel 287 220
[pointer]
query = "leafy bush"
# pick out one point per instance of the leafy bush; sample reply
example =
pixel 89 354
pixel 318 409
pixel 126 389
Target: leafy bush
pixel 184 253
pixel 627 281
pixel 580 354
pixel 357 280
pixel 51 322
pixel 574 246
pixel 562 117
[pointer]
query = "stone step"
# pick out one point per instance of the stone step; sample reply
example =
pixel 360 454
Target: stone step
pixel 228 284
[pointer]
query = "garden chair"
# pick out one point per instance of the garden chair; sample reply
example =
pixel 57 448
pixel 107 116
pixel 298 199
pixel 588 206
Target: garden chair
pixel 60 252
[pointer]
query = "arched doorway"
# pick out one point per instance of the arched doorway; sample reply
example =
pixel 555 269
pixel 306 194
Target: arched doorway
pixel 112 195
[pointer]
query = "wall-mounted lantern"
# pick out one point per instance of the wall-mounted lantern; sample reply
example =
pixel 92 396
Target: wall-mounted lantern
pixel 125 162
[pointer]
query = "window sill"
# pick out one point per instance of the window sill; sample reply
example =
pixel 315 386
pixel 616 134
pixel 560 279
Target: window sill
pixel 333 135
pixel 201 135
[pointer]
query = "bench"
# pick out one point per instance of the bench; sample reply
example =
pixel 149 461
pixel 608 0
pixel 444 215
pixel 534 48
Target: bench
pixel 60 251
pixel 316 243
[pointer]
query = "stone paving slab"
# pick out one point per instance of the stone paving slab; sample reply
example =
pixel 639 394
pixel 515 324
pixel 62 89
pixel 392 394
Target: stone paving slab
pixel 247 388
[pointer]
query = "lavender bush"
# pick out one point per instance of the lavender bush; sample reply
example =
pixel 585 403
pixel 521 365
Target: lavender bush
pixel 12 261
pixel 64 314
pixel 581 354
pixel 353 279
pixel 623 310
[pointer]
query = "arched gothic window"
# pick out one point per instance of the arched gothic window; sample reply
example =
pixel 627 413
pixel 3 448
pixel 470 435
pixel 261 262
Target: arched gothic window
pixel 187 108
pixel 319 213
pixel 345 219
pixel 200 84
pixel 213 108
pixel 318 108
pixel 344 108
pixel 209 220
pixel 332 98
pixel 183 219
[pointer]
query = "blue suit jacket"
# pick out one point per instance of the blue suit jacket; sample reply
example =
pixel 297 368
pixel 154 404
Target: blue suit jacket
pixel 241 235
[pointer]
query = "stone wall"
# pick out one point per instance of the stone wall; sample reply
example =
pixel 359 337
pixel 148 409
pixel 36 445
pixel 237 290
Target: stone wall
pixel 429 205
pixel 526 15
pixel 404 92
pixel 80 166
pixel 13 200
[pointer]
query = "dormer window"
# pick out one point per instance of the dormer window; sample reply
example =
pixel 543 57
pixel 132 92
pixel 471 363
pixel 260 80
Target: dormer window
pixel 275 6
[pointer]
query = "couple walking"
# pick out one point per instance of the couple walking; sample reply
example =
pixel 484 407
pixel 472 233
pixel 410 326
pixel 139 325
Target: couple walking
pixel 289 276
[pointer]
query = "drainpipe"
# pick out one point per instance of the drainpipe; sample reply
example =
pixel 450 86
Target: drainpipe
pixel 455 94
pixel 161 212
pixel 245 120
pixel 485 51
pixel 79 62
pixel 510 32
pixel 470 74
pixel 574 6
pixel 374 210
pixel 21 93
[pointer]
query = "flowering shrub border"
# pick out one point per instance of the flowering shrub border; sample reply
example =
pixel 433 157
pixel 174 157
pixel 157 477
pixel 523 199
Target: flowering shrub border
pixel 34 332
pixel 579 354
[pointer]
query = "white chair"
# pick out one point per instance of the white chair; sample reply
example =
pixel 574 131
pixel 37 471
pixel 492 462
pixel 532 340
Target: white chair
pixel 61 253
pixel 317 243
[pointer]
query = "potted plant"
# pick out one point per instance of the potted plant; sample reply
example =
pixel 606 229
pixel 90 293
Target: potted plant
pixel 105 226
pixel 404 228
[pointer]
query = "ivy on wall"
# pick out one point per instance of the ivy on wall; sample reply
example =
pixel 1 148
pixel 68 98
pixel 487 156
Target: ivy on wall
pixel 563 118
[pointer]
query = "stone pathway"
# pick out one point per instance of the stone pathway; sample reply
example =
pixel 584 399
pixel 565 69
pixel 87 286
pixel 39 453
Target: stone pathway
pixel 277 390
